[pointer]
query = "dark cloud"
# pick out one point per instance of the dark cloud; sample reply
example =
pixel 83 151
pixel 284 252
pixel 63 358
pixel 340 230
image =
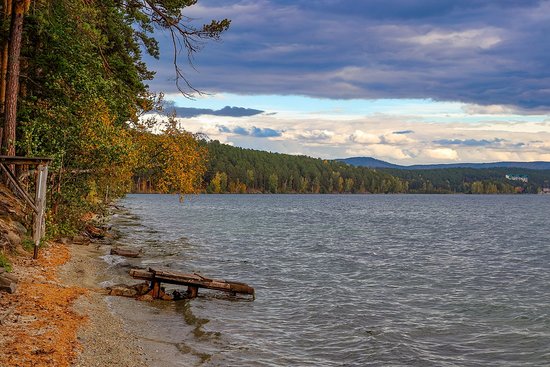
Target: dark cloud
pixel 403 132
pixel 255 132
pixel 476 51
pixel 469 142
pixel 187 112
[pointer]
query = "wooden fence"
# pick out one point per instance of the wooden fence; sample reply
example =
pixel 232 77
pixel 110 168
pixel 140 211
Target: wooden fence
pixel 38 202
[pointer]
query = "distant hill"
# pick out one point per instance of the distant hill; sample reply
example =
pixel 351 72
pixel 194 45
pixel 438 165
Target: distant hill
pixel 369 162
pixel 376 163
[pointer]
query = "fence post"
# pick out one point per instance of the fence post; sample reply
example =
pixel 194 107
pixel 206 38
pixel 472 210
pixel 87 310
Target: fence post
pixel 39 227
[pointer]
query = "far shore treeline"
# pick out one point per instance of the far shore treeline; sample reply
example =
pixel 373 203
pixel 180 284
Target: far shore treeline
pixel 236 170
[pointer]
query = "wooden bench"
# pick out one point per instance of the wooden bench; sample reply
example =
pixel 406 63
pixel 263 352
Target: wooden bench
pixel 192 281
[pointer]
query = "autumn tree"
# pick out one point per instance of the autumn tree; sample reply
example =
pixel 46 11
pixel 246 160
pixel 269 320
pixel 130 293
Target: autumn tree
pixel 173 161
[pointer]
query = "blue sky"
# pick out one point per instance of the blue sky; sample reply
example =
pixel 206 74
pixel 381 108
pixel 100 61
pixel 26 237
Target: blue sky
pixel 400 80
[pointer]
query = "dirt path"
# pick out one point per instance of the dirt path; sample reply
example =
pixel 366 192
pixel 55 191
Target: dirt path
pixel 59 318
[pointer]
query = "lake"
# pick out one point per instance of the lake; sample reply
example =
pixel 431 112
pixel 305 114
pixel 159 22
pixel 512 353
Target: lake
pixel 344 280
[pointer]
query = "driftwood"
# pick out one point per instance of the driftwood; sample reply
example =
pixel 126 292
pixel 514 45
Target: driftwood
pixel 192 281
pixel 125 252
pixel 8 283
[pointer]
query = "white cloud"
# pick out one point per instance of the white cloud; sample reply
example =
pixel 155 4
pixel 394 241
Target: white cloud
pixel 361 137
pixel 379 151
pixel 471 38
pixel 468 138
pixel 442 154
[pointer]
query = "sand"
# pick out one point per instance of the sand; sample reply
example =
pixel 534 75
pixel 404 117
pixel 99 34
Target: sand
pixel 59 317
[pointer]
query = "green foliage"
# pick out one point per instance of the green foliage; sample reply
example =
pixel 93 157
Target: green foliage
pixel 232 169
pixel 5 263
pixel 82 93
pixel 171 161
pixel 27 244
pixel 472 180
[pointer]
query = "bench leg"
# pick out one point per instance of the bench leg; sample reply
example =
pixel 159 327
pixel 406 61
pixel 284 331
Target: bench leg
pixel 192 291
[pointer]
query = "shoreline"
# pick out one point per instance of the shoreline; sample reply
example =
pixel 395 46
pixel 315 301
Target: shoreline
pixel 60 317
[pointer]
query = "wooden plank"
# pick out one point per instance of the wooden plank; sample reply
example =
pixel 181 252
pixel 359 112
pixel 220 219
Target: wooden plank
pixel 171 277
pixel 39 226
pixel 24 160
pixel 11 177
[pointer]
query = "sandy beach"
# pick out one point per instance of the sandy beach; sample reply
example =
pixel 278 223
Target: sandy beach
pixel 59 316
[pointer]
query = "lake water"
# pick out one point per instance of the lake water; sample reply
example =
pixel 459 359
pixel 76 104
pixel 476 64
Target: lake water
pixel 345 280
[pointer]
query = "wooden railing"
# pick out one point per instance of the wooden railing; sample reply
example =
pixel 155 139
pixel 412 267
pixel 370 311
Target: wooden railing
pixel 38 202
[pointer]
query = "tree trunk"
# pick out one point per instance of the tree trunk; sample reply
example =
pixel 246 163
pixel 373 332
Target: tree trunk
pixel 12 84
pixel 6 7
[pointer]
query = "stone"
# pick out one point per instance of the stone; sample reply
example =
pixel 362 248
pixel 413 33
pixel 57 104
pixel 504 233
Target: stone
pixel 123 291
pixel 81 240
pixel 128 290
pixel 13 238
pixel 20 228
pixel 146 297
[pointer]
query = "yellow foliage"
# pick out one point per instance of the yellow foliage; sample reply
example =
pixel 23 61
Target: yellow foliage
pixel 174 160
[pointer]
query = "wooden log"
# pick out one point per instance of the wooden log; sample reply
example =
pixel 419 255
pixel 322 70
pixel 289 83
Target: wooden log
pixel 7 284
pixel 125 252
pixel 192 291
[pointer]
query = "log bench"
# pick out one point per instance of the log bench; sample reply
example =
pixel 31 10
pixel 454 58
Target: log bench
pixel 192 281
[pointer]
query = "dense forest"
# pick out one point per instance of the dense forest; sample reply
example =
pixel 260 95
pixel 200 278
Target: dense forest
pixel 238 170
pixel 472 180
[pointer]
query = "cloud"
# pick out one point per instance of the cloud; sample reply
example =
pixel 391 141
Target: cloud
pixel 362 137
pixel 252 131
pixel 188 112
pixel 463 138
pixel 469 38
pixel 469 142
pixel 444 154
pixel 487 53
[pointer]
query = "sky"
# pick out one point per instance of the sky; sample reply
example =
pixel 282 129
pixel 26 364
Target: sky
pixel 406 81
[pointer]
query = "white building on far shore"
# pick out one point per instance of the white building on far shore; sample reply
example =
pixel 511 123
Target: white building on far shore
pixel 522 178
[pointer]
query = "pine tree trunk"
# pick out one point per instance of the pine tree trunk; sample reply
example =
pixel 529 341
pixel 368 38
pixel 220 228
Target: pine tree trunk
pixel 12 84
pixel 6 7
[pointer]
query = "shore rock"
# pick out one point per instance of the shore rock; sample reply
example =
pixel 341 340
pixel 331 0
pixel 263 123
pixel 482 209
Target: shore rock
pixel 128 290
pixel 8 283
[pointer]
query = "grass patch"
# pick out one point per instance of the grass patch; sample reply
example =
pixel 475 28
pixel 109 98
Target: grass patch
pixel 28 244
pixel 5 263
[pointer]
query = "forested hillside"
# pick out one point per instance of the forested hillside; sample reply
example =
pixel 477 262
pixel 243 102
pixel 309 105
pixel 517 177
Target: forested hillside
pixel 473 181
pixel 239 170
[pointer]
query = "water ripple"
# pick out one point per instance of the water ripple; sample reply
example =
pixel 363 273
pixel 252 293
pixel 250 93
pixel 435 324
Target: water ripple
pixel 342 280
